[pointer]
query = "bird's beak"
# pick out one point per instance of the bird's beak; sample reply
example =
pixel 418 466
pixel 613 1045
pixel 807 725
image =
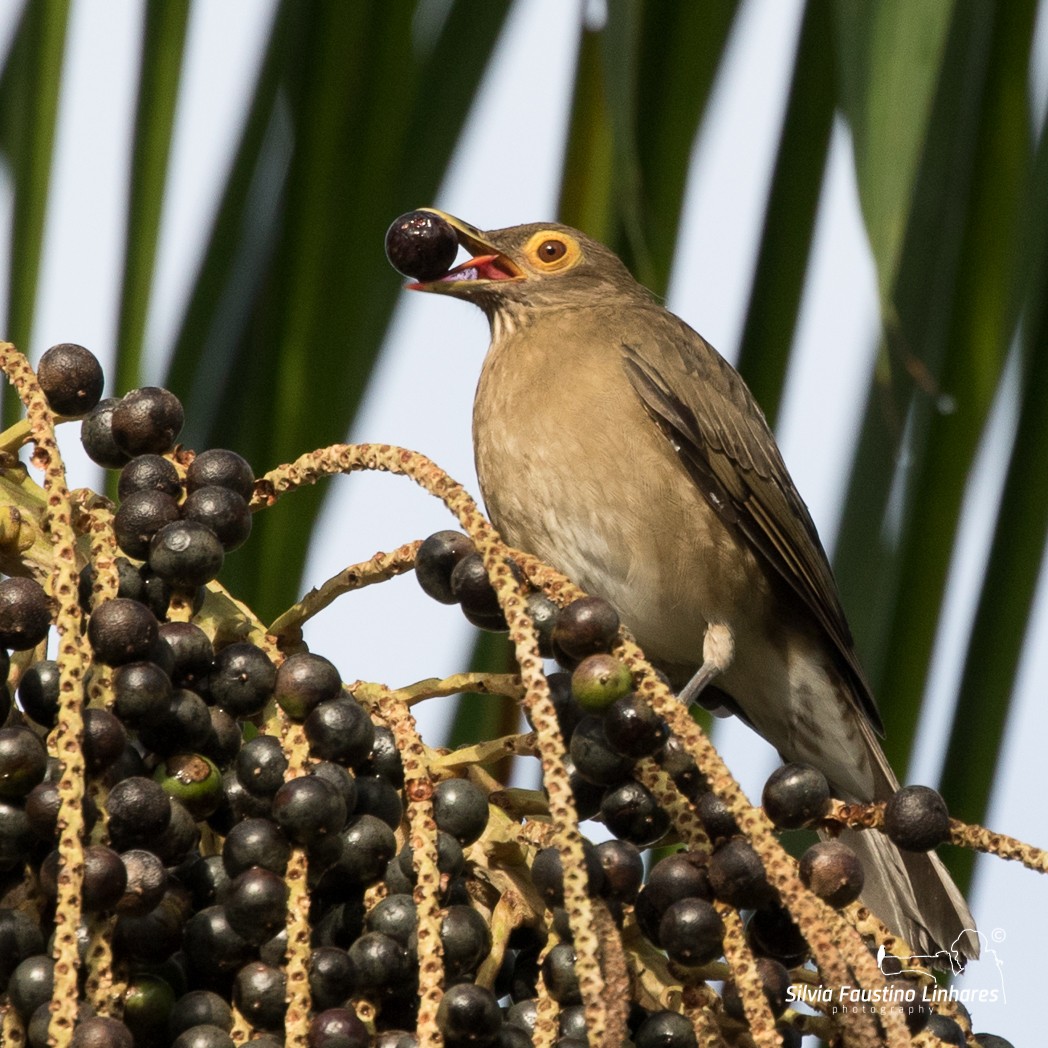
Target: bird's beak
pixel 487 265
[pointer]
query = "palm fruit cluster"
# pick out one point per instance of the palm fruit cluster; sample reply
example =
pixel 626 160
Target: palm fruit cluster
pixel 208 838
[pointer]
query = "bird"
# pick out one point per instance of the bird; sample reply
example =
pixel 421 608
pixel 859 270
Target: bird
pixel 617 445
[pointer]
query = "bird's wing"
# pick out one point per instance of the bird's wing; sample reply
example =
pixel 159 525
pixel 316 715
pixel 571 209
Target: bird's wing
pixel 709 415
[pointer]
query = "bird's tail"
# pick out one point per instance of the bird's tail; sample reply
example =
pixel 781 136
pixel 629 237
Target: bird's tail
pixel 912 892
pixel 915 896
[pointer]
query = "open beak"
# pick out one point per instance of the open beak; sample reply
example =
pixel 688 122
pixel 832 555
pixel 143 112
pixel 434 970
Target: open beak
pixel 486 266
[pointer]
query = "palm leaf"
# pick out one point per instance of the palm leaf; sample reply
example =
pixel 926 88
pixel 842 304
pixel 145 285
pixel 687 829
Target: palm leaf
pixel 352 124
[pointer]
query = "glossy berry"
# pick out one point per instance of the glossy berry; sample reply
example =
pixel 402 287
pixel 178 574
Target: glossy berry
pixel 340 730
pixel 339 778
pixel 547 873
pixel 435 561
pixel 218 467
pixel 678 876
pixel 422 245
pixel 256 904
pixel 380 963
pixel 145 884
pixel 331 977
pixel 466 941
pixel 543 614
pixel 632 813
pixel 204 1036
pixel 623 868
pixel 916 819
pixel 41 808
pixel 366 846
pixel 122 630
pixel 472 589
pixel 255 842
pixel 140 516
pixel 309 808
pixel 38 692
pixel 96 435
pixel 585 627
pixel 192 780
pixel 833 872
pixel 594 758
pixel 212 947
pixel 199 1008
pixel 104 883
pixel 945 1030
pixel 104 739
pixel 796 795
pixel 101 1031
pixel 25 613
pixel 184 726
pixel 450 858
pixel 261 764
pixel 679 765
pixel 377 797
pixel 737 875
pixel 192 654
pixel 224 739
pixel 20 938
pixel 186 554
pixel 147 420
pixel 31 984
pixel 142 693
pixel 259 992
pixel 395 916
pixel 568 711
pixel 242 679
pixel 23 761
pixel 304 681
pixel 598 680
pixel 461 809
pixel 691 932
pixel 469 1014
pixel 561 974
pixel 631 726
pixel 149 473
pixel 337 1028
pixel 71 378
pixel 384 758
pixel 665 1029
pixel 223 511
pixel 139 811
pixel 716 816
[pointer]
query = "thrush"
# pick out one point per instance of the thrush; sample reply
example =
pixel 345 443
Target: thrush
pixel 614 443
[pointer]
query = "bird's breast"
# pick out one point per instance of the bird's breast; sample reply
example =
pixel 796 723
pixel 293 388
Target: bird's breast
pixel 574 470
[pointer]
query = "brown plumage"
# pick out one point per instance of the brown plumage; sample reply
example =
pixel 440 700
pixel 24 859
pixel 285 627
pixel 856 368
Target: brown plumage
pixel 615 444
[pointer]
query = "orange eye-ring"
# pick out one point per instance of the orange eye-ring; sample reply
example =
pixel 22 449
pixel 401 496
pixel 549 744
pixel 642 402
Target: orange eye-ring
pixel 553 251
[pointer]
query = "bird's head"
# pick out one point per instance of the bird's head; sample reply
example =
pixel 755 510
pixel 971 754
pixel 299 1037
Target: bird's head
pixel 518 270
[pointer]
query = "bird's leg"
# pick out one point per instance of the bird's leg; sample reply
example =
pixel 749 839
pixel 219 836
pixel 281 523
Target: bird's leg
pixel 718 650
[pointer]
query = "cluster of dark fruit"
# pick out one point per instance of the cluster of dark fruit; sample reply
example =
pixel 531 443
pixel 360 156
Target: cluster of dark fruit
pixel 607 727
pixel 200 813
pixel 193 815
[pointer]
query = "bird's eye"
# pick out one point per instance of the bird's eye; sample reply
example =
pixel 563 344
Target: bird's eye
pixel 551 250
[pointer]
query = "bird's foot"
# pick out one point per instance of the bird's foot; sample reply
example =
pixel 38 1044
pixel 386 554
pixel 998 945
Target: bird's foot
pixel 718 651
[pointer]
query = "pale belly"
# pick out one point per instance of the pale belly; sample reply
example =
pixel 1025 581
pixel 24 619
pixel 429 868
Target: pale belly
pixel 610 506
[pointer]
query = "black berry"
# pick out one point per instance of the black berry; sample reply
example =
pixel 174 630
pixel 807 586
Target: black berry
pixel 422 245
pixel 71 378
